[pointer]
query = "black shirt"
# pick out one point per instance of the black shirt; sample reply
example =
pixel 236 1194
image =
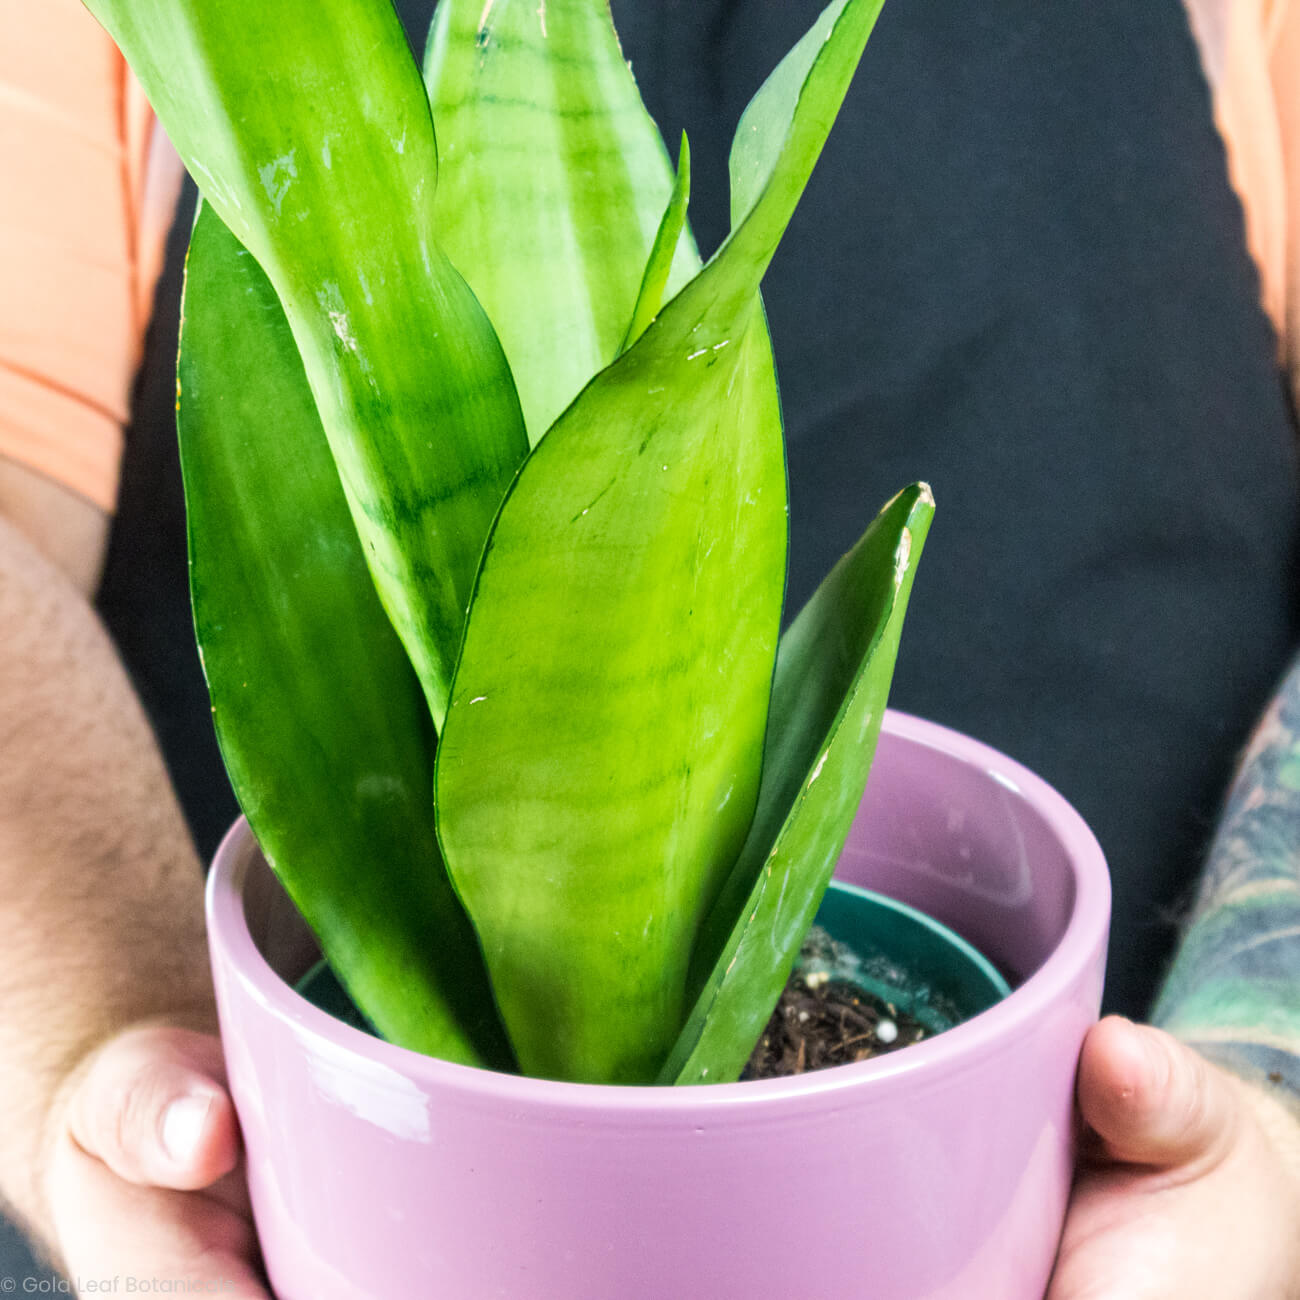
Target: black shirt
pixel 1020 273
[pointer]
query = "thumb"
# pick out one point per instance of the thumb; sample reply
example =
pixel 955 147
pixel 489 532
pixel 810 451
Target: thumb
pixel 1151 1099
pixel 152 1105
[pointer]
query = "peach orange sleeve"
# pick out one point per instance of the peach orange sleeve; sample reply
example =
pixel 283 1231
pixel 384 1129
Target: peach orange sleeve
pixel 1258 109
pixel 1284 71
pixel 90 187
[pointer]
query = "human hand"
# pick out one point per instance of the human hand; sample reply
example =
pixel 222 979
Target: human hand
pixel 1189 1185
pixel 144 1178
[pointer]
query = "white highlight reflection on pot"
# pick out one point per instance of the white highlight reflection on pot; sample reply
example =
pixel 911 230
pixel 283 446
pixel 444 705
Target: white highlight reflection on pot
pixel 371 1091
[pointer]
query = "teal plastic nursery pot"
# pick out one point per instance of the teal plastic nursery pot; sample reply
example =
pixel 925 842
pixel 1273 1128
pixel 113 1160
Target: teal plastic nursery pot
pixel 909 959
pixel 891 951
pixel 937 1172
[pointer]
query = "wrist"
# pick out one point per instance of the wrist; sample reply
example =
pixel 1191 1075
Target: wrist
pixel 1272 1127
pixel 1277 1112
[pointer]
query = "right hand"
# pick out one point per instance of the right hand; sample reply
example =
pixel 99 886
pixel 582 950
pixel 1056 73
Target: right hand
pixel 1188 1190
pixel 144 1178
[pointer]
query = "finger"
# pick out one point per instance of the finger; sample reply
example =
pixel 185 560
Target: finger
pixel 1151 1100
pixel 153 1107
pixel 154 1241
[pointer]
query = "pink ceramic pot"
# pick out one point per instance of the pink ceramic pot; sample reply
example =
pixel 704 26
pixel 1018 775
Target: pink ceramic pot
pixel 939 1172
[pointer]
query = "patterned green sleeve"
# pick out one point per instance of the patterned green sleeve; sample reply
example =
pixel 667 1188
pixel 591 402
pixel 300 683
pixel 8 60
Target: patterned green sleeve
pixel 1233 991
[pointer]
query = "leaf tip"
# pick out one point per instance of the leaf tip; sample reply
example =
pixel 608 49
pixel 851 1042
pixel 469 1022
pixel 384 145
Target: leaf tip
pixel 902 559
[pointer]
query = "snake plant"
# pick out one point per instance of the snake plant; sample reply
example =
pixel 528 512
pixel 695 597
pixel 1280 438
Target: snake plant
pixel 487 511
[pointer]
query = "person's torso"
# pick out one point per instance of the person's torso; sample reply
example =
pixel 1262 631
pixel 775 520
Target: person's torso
pixel 1019 272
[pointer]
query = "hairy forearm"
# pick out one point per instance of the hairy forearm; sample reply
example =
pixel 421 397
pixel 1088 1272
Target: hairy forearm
pixel 1234 989
pixel 101 920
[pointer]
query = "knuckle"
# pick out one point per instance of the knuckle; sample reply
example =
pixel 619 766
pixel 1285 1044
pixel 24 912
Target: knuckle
pixel 128 1112
pixel 133 1115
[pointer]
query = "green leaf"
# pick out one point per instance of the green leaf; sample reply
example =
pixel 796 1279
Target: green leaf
pixel 306 125
pixel 779 139
pixel 655 280
pixel 553 181
pixel 600 762
pixel 832 682
pixel 319 714
pixel 765 127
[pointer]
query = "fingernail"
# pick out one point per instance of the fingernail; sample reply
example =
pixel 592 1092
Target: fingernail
pixel 183 1124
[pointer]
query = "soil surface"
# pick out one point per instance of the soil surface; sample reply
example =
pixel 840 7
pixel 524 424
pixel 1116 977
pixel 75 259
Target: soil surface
pixel 821 1021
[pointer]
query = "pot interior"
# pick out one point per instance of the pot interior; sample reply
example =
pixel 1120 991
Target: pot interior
pixel 947 827
pixel 890 950
pixel 971 839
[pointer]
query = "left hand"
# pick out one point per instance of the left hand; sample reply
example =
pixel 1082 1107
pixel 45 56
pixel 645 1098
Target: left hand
pixel 144 1182
pixel 1189 1183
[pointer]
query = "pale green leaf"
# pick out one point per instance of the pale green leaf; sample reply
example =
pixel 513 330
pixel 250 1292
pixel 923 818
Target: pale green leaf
pixel 553 179
pixel 306 125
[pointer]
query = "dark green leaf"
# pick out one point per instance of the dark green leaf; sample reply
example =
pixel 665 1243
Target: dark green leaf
pixel 319 714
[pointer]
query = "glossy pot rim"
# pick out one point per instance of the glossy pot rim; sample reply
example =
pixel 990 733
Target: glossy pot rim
pixel 236 954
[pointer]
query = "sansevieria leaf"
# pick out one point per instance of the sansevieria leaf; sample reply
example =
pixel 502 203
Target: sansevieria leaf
pixel 833 673
pixel 307 127
pixel 658 267
pixel 636 573
pixel 320 717
pixel 553 180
